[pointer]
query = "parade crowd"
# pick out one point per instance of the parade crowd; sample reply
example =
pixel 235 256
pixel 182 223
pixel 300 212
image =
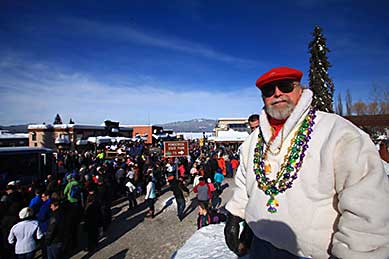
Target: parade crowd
pixel 48 214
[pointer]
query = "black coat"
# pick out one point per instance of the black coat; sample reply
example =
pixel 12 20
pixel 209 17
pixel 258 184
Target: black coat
pixel 177 190
pixel 55 230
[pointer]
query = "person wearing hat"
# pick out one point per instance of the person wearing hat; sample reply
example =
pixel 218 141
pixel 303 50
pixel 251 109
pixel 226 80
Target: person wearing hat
pixel 310 183
pixel 24 234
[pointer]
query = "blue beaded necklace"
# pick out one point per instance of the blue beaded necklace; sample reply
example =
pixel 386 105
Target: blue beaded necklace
pixel 290 166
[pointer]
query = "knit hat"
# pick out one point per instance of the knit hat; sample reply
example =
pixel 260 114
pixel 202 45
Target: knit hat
pixel 25 213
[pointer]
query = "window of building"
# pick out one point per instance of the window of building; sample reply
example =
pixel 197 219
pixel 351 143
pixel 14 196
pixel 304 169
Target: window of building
pixel 33 136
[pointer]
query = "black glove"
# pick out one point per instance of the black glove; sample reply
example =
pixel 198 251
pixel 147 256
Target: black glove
pixel 245 239
pixel 231 233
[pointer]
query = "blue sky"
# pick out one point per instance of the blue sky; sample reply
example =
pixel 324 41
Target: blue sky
pixel 143 62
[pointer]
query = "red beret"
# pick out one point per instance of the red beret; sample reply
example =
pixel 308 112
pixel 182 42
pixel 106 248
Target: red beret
pixel 279 73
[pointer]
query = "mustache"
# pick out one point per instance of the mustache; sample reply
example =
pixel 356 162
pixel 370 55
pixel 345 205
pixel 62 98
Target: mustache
pixel 280 99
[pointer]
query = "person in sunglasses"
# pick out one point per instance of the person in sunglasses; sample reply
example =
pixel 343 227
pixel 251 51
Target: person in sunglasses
pixel 310 184
pixel 253 121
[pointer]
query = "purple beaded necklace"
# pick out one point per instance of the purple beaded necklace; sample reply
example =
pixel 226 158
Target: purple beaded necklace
pixel 290 166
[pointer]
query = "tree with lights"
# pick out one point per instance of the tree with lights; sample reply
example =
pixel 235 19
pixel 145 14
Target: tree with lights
pixel 319 81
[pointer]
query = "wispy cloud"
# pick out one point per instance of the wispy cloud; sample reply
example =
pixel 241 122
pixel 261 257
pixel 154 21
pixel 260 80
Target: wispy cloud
pixel 137 35
pixel 39 92
pixel 347 43
pixel 309 4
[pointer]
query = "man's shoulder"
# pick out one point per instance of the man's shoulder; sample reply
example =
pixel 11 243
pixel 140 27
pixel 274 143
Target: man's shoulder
pixel 248 142
pixel 337 123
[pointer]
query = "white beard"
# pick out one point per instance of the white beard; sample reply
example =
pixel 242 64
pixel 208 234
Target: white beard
pixel 280 113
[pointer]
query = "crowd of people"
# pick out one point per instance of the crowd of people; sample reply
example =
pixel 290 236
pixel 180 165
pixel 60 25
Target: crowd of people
pixel 47 214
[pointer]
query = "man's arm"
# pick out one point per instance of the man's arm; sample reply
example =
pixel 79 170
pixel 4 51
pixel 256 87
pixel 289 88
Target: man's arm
pixel 11 236
pixel 237 204
pixel 363 194
pixel 236 207
pixel 67 189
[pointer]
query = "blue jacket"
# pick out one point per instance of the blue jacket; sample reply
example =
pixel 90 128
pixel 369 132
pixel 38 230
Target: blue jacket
pixel 218 177
pixel 43 216
pixel 35 204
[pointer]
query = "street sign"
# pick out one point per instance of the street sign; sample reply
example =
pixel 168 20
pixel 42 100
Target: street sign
pixel 175 148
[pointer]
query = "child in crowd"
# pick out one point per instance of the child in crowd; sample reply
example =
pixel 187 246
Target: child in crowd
pixel 214 195
pixel 218 179
pixel 203 191
pixel 209 216
pixel 204 218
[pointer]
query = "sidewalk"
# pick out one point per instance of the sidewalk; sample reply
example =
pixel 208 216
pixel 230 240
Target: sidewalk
pixel 131 235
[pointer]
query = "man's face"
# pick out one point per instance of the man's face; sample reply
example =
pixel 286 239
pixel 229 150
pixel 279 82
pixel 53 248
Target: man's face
pixel 44 197
pixel 281 104
pixel 253 125
pixel 53 207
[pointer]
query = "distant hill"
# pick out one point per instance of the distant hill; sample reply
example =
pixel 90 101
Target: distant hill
pixel 195 125
pixel 16 128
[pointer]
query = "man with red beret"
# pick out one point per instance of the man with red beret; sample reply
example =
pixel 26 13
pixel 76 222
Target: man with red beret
pixel 310 184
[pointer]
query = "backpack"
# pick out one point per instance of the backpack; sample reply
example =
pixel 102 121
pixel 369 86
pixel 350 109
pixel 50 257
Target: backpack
pixel 75 192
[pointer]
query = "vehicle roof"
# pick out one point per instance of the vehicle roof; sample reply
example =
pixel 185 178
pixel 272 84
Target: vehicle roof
pixel 20 150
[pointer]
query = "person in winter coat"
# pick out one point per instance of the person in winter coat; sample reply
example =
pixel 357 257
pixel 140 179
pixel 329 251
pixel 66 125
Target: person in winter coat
pixel 93 220
pixel 222 164
pixel 178 193
pixel 234 164
pixel 218 179
pixel 208 216
pixel 43 217
pixel 36 202
pixel 73 214
pixel 214 198
pixel 43 214
pixel 203 218
pixel 150 196
pixel 24 235
pixel 131 194
pixel 196 179
pixel 310 183
pixel 203 192
pixel 54 238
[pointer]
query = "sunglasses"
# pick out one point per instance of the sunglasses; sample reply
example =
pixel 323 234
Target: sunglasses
pixel 285 86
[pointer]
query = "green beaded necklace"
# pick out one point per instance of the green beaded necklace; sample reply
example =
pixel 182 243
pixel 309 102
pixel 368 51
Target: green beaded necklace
pixel 291 165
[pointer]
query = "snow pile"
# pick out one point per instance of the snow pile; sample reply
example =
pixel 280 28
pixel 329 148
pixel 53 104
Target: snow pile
pixel 207 242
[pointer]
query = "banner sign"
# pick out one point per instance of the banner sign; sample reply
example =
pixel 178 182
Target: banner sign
pixel 175 148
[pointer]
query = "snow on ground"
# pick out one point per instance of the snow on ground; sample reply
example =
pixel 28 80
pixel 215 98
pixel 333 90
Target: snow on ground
pixel 207 242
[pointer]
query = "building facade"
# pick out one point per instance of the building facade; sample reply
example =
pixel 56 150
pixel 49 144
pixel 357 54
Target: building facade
pixel 236 124
pixel 71 136
pixel 13 139
pixel 145 131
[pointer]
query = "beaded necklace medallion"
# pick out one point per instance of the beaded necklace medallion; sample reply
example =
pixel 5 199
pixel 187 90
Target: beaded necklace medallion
pixel 291 165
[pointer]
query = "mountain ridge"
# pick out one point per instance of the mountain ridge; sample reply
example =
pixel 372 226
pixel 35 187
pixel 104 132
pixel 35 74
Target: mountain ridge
pixel 194 125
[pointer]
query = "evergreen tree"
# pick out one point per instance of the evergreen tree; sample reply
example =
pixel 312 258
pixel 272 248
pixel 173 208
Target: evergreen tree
pixel 339 105
pixel 57 119
pixel 349 103
pixel 319 81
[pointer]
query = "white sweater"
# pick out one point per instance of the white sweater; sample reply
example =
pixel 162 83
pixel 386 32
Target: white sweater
pixel 25 233
pixel 338 204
